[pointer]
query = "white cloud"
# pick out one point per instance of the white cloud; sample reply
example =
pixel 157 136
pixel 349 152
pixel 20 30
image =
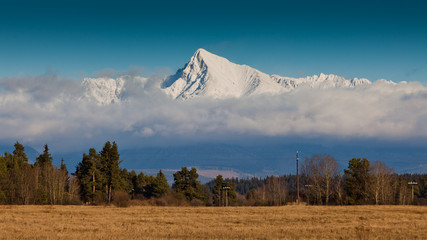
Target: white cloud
pixel 46 108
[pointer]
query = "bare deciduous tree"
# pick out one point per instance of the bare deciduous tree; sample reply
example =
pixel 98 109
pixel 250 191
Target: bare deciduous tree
pixel 321 170
pixel 275 191
pixel 381 188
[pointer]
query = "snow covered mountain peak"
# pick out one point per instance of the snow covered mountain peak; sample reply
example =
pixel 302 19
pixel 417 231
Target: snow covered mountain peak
pixel 203 54
pixel 207 74
pixel 210 75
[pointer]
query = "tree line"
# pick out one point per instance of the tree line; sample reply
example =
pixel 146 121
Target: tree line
pixel 99 179
pixel 323 183
pixel 38 183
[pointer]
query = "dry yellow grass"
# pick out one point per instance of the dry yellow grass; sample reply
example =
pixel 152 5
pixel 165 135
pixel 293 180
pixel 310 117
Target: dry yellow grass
pixel 287 222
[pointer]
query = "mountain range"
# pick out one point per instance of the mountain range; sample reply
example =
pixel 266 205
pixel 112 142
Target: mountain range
pixel 209 75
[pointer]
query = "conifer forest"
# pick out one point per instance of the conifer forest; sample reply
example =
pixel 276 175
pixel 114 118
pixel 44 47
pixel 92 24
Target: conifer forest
pixel 98 180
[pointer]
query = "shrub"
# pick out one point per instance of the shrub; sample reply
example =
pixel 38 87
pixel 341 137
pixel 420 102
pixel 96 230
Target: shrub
pixel 121 199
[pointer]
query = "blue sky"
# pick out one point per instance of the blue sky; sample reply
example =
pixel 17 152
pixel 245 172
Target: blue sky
pixel 371 39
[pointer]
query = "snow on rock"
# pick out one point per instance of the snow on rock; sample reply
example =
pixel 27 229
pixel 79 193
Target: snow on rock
pixel 210 75
pixel 214 76
pixel 103 90
pixel 320 81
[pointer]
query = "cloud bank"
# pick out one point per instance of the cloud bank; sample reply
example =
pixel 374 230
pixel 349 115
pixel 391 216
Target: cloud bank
pixel 50 109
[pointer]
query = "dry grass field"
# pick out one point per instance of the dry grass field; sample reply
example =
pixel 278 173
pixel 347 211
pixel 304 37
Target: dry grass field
pixel 287 222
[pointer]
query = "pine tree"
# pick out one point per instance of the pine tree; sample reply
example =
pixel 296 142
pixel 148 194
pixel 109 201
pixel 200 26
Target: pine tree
pixel 110 159
pixel 3 180
pixel 217 191
pixel 132 178
pixel 45 159
pixel 125 182
pixel 20 154
pixel 63 167
pixel 357 180
pixel 11 161
pixel 160 185
pixel 44 165
pixel 140 183
pixel 186 183
pixel 90 176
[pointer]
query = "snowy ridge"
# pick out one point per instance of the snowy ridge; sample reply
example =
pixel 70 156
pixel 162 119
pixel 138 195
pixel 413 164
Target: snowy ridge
pixel 210 75
pixel 103 90
pixel 320 81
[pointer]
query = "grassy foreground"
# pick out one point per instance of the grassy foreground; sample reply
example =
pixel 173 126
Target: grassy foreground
pixel 287 222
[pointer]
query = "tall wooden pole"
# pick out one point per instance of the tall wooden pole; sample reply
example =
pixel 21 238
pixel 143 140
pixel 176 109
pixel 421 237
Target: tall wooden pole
pixel 226 188
pixel 412 186
pixel 226 198
pixel 297 181
pixel 93 181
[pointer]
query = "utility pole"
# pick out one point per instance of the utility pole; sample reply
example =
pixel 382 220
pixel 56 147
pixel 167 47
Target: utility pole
pixel 412 186
pixel 297 181
pixel 93 181
pixel 226 188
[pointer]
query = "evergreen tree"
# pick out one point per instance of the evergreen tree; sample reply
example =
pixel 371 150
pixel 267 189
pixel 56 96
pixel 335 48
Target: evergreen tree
pixel 160 185
pixel 125 181
pixel 3 180
pixel 217 191
pixel 90 176
pixel 10 187
pixel 140 183
pixel 11 161
pixel 110 159
pixel 132 178
pixel 149 185
pixel 45 159
pixel 63 167
pixel 186 183
pixel 44 166
pixel 20 154
pixel 180 180
pixel 357 180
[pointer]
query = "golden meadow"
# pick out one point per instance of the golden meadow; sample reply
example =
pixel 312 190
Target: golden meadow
pixel 149 222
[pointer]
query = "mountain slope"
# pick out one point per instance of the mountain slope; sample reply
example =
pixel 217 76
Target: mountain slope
pixel 210 75
pixel 103 90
